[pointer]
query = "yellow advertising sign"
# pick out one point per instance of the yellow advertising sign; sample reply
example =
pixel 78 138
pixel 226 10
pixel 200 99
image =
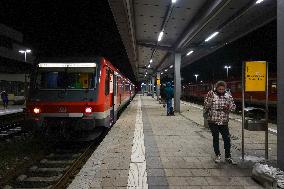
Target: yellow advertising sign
pixel 255 76
pixel 158 82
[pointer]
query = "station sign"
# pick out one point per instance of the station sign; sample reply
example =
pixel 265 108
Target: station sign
pixel 255 76
pixel 158 82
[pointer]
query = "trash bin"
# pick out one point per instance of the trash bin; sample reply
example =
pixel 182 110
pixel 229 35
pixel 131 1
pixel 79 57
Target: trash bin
pixel 255 119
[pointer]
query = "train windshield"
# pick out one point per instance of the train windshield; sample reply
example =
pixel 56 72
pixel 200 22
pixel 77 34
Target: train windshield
pixel 66 78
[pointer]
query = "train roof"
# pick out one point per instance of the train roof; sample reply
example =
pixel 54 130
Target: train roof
pixel 70 59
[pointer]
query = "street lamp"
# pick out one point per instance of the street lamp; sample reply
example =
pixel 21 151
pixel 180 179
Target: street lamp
pixel 25 52
pixel 227 67
pixel 196 75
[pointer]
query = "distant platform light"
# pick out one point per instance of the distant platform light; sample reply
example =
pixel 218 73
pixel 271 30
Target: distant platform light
pixel 166 70
pixel 151 60
pixel 174 1
pixel 149 66
pixel 171 66
pixel 189 53
pixel 211 36
pixel 162 73
pixel 259 1
pixel 161 36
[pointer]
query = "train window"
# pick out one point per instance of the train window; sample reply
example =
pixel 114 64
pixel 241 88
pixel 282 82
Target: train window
pixel 239 87
pixel 65 80
pixel 115 85
pixel 273 87
pixel 107 81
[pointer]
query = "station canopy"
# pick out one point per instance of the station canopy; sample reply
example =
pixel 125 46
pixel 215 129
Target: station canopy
pixel 186 27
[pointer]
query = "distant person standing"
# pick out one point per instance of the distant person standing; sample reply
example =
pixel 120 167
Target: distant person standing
pixel 217 105
pixel 169 93
pixel 4 97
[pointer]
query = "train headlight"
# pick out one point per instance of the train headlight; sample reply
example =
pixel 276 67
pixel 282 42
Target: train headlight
pixel 88 110
pixel 36 110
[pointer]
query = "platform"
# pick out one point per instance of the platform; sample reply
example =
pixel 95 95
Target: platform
pixel 147 149
pixel 12 109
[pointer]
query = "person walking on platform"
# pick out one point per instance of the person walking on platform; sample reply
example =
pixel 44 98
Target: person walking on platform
pixel 217 105
pixel 4 97
pixel 169 95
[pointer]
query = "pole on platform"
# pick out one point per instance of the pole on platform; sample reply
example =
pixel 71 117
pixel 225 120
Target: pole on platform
pixel 243 110
pixel 177 80
pixel 280 83
pixel 153 86
pixel 266 114
pixel 158 86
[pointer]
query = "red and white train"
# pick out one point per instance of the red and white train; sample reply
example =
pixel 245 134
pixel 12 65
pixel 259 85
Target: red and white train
pixel 198 92
pixel 76 95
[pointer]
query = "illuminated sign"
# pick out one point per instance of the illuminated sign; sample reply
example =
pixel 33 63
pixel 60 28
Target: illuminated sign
pixel 158 82
pixel 69 65
pixel 255 76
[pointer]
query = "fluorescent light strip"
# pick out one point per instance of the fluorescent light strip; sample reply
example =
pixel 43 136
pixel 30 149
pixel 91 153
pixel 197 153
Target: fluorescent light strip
pixel 64 65
pixel 211 36
pixel 190 52
pixel 259 1
pixel 160 35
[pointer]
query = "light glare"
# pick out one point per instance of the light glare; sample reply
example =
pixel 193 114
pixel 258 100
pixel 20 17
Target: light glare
pixel 259 1
pixel 160 35
pixel 190 52
pixel 64 65
pixel 211 36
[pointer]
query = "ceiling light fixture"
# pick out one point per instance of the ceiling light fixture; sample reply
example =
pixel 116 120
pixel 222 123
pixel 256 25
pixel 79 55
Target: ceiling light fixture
pixel 211 36
pixel 174 1
pixel 190 52
pixel 160 35
pixel 259 1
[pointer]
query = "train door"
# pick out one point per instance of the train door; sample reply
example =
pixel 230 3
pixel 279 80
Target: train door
pixel 111 95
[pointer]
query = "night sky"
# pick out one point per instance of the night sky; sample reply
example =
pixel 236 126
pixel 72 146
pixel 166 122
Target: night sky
pixel 62 28
pixel 260 44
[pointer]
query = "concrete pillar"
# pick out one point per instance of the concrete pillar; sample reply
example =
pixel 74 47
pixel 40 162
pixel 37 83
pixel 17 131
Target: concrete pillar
pixel 280 84
pixel 150 85
pixel 153 84
pixel 177 81
pixel 158 85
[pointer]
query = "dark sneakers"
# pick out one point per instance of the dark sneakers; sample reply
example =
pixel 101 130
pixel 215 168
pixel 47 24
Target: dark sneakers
pixel 230 161
pixel 218 159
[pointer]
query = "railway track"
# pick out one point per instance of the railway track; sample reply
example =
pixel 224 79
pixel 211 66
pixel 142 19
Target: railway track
pixel 57 168
pixel 11 125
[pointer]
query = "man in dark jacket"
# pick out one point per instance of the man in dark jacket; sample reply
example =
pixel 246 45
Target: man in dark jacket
pixel 169 95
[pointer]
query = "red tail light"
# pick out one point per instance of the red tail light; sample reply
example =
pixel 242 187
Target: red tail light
pixel 88 110
pixel 36 110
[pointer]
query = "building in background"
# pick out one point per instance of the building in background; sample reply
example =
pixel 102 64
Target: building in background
pixel 14 69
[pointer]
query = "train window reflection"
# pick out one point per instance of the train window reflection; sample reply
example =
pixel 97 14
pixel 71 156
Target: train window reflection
pixel 65 80
pixel 274 87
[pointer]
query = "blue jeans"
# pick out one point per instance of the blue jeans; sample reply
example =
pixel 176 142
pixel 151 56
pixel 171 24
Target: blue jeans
pixel 169 105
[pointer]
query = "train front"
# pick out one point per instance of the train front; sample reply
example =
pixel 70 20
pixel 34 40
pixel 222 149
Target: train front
pixel 63 98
